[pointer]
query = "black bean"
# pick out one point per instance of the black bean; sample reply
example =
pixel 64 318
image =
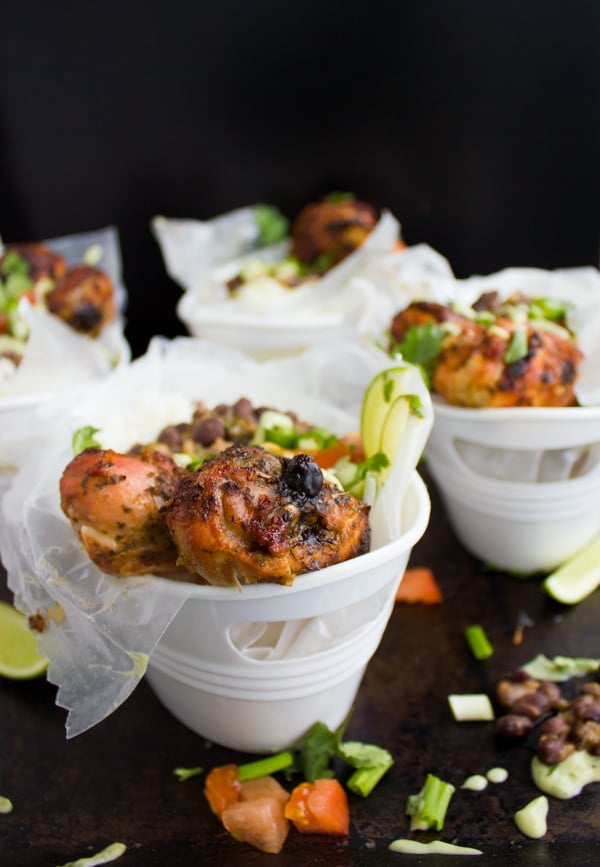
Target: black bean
pixel 302 475
pixel 552 750
pixel 207 431
pixel 513 726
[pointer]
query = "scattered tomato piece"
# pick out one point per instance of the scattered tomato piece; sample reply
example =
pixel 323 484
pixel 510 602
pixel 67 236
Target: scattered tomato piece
pixel 320 807
pixel 222 788
pixel 263 787
pixel 419 585
pixel 260 822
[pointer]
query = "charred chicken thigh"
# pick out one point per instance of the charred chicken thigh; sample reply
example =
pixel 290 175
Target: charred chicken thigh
pixel 248 516
pixel 84 298
pixel 499 357
pixel 331 228
pixel 114 502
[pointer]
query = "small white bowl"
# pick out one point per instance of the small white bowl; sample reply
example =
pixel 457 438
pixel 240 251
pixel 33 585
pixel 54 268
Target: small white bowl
pixel 211 676
pixel 521 486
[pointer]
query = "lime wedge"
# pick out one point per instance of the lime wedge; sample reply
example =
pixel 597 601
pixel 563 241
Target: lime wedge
pixel 379 398
pixel 19 657
pixel 577 577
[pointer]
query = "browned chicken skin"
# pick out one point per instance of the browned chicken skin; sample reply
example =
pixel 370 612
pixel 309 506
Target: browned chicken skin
pixel 249 516
pixel 471 368
pixel 115 503
pixel 84 298
pixel 331 228
pixel 42 261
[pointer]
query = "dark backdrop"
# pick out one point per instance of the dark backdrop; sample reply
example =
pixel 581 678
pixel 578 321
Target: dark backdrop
pixel 477 123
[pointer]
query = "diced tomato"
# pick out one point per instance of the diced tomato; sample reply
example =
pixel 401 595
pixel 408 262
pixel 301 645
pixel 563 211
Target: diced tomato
pixel 348 446
pixel 222 788
pixel 261 822
pixel 320 807
pixel 419 585
pixel 263 787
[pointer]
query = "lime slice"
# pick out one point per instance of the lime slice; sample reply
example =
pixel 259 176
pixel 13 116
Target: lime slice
pixel 19 657
pixel 578 577
pixel 379 399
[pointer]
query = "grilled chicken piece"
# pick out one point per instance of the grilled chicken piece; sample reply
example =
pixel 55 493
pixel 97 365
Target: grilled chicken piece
pixel 471 368
pixel 115 503
pixel 248 516
pixel 331 229
pixel 42 261
pixel 84 298
pixel 423 313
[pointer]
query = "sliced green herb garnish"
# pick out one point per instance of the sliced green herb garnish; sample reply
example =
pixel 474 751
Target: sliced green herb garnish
pixel 363 780
pixel 272 225
pixel 428 808
pixel 184 774
pixel 371 763
pixel 422 345
pixel 285 437
pixel 552 309
pixel 318 749
pixel 478 642
pixel 265 767
pixel 322 263
pixel 317 439
pixel 517 348
pixel 83 438
pixel 12 263
pixel 352 476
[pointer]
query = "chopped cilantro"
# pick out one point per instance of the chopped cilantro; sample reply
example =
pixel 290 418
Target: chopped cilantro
pixel 422 345
pixel 272 225
pixel 83 438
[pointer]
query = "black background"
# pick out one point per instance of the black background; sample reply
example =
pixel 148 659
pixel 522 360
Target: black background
pixel 476 123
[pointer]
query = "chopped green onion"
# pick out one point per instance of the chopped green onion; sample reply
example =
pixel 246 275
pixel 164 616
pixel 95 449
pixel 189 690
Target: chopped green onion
pixel 552 309
pixel 428 808
pixel 184 774
pixel 364 779
pixel 316 439
pixel 281 436
pixel 517 348
pixel 471 706
pixel 265 767
pixel 371 763
pixel 478 642
pixel 352 476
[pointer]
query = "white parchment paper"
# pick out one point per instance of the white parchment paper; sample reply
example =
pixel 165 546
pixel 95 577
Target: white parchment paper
pixel 58 361
pixel 360 294
pixel 56 356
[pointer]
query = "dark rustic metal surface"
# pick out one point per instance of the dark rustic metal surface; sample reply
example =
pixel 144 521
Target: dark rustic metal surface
pixel 115 782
